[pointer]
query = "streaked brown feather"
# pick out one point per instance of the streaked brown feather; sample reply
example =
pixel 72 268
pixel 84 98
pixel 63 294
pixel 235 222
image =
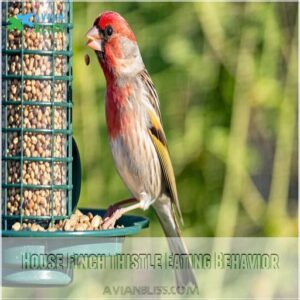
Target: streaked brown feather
pixel 153 97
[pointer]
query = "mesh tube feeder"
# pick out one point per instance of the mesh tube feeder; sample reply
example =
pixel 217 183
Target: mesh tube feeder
pixel 36 111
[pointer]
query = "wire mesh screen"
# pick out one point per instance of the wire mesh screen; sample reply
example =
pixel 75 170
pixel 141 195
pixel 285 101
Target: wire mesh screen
pixel 36 111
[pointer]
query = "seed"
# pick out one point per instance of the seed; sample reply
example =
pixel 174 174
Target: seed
pixel 80 227
pixel 34 227
pixel 11 37
pixel 77 211
pixel 52 229
pixel 11 120
pixel 34 140
pixel 28 88
pixel 96 221
pixel 90 215
pixel 31 63
pixel 87 59
pixel 31 204
pixel 16 226
pixel 73 219
pixel 68 226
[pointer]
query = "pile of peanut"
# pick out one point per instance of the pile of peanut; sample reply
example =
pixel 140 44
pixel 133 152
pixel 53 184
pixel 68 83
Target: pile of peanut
pixel 77 222
pixel 36 202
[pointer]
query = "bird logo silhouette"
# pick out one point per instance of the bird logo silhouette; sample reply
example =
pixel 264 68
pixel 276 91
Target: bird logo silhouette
pixel 19 21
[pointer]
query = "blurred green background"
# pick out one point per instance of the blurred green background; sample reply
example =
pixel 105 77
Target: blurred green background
pixel 226 75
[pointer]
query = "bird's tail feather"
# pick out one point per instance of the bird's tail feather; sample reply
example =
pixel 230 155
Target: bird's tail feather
pixel 166 216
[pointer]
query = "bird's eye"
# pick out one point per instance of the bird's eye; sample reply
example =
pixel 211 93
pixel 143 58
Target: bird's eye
pixel 109 31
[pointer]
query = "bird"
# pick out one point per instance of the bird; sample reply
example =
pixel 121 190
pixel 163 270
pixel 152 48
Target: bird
pixel 136 135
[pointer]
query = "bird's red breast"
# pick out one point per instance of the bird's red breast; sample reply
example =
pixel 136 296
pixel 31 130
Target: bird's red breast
pixel 116 117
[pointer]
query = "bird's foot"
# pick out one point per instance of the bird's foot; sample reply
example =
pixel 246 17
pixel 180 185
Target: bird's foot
pixel 111 210
pixel 110 221
pixel 115 212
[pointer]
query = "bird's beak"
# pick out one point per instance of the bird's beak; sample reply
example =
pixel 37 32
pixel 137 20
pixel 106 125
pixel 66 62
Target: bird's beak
pixel 94 39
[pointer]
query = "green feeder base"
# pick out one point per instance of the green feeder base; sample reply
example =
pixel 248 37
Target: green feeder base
pixel 36 278
pixel 66 243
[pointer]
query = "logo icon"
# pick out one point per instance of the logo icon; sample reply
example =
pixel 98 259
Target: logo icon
pixel 19 21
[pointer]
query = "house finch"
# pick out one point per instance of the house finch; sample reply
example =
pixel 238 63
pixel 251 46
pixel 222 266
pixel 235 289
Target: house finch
pixel 137 139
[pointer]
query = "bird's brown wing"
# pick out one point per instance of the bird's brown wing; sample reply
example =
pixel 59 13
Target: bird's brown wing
pixel 153 97
pixel 159 140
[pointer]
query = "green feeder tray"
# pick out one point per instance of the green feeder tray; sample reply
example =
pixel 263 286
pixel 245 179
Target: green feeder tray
pixel 132 225
pixel 66 243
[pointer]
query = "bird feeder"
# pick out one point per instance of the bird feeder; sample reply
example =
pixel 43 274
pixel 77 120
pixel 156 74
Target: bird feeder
pixel 36 111
pixel 41 170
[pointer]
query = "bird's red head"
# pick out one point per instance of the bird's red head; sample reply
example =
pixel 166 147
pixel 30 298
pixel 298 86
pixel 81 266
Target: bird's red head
pixel 113 41
pixel 111 22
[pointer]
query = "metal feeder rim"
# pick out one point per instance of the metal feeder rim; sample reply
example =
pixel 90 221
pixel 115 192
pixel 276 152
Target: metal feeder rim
pixel 37 77
pixel 65 104
pixel 39 52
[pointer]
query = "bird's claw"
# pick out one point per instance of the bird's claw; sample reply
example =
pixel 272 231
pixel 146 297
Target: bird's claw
pixel 110 221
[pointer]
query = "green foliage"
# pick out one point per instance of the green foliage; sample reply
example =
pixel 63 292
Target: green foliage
pixel 226 74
